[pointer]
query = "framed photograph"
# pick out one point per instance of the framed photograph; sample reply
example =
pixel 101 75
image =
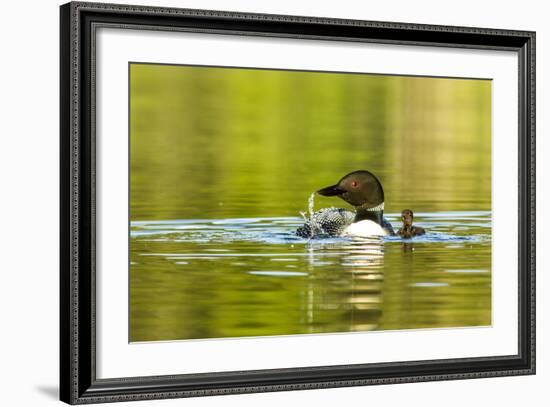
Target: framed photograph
pixel 255 203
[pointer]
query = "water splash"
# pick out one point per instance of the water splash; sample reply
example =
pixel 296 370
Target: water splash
pixel 310 208
pixel 312 227
pixel 311 204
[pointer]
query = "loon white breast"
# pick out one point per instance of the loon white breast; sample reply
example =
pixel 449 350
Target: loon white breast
pixel 365 228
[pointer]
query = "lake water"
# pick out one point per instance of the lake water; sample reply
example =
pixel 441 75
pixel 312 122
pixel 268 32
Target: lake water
pixel 223 161
pixel 211 278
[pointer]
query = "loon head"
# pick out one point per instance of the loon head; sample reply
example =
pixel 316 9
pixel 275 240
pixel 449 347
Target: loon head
pixel 358 188
pixel 407 217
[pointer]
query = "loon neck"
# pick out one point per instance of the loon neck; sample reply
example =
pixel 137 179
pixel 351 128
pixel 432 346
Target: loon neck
pixel 366 214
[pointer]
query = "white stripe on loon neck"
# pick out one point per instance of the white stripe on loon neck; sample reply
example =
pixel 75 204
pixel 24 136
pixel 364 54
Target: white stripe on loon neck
pixel 377 208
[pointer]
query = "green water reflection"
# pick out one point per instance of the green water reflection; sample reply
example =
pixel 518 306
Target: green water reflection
pixel 224 144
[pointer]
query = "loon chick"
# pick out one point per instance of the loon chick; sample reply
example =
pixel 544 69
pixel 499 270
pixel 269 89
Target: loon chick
pixel 360 189
pixel 408 230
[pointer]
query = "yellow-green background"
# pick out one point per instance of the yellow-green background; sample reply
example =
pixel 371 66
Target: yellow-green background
pixel 260 141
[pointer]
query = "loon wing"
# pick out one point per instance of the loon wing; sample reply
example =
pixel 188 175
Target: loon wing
pixel 326 222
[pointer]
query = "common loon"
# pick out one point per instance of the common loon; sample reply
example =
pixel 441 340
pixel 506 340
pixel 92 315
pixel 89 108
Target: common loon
pixel 408 230
pixel 360 189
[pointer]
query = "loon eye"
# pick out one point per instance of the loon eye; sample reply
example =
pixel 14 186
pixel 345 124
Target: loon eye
pixel 354 184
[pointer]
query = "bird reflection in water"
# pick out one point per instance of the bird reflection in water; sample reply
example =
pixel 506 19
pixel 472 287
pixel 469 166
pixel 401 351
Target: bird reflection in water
pixel 355 291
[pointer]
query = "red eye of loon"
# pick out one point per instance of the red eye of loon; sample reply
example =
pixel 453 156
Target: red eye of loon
pixel 354 184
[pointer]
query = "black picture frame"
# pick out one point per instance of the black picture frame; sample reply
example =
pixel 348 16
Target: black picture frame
pixel 78 382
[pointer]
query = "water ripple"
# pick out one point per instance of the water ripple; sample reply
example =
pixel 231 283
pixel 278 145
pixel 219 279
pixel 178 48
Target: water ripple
pixel 451 227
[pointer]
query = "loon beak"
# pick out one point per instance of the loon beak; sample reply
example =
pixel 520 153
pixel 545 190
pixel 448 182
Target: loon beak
pixel 333 190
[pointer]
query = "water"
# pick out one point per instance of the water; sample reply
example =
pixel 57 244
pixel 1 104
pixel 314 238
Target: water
pixel 213 278
pixel 222 162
